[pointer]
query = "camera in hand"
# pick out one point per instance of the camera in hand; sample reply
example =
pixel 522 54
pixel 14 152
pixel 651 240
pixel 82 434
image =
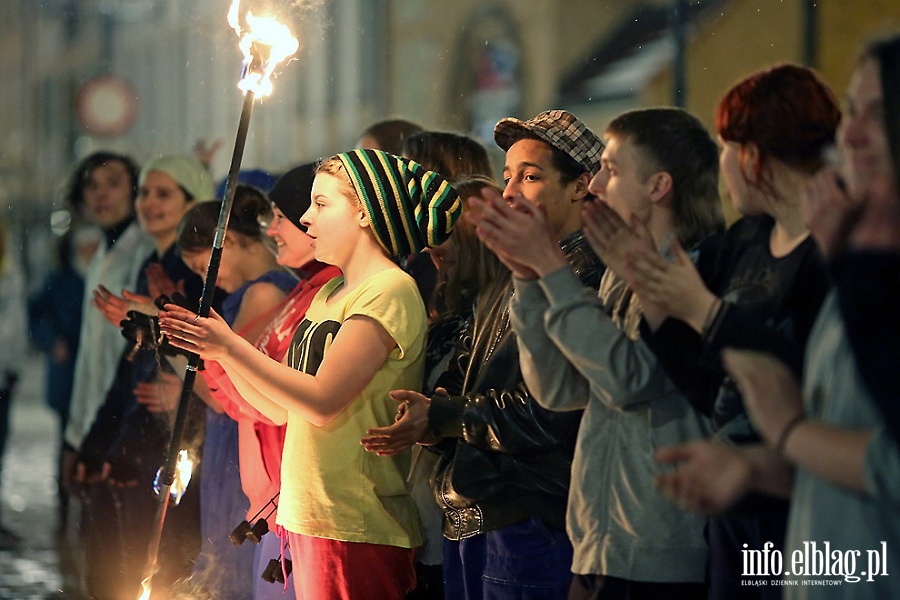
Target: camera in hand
pixel 142 330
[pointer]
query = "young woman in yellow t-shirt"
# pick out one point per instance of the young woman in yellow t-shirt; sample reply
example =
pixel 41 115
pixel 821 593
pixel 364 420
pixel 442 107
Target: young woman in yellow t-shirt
pixel 352 525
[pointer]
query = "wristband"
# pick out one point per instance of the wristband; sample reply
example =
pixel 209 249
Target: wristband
pixel 711 314
pixel 786 432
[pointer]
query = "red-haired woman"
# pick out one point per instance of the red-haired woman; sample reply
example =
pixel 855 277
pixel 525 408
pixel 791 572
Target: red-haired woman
pixel 760 286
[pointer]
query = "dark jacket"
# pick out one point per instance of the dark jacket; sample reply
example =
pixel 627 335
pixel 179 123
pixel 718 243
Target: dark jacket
pixel 508 459
pixel 54 315
pixel 124 433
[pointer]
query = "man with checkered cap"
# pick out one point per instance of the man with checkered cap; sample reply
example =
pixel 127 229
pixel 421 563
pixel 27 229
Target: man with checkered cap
pixel 550 160
pixel 579 351
pixel 503 474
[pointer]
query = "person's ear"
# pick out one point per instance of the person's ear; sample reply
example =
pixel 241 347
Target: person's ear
pixel 580 190
pixel 661 188
pixel 749 160
pixel 362 218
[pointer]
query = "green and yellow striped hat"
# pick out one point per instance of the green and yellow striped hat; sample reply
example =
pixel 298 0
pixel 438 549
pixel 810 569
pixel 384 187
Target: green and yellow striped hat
pixel 409 207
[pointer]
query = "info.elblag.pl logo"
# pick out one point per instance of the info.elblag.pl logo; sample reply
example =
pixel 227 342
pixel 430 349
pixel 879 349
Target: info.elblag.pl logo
pixel 816 560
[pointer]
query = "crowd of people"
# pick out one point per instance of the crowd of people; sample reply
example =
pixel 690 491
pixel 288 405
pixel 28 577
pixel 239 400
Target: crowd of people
pixel 575 382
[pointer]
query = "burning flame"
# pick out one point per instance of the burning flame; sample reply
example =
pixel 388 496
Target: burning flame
pixel 265 44
pixel 183 469
pixel 146 585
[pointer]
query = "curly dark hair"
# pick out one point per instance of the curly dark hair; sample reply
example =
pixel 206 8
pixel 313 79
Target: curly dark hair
pixel 81 175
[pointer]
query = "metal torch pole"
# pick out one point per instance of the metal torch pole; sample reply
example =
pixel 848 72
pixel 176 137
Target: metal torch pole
pixel 167 477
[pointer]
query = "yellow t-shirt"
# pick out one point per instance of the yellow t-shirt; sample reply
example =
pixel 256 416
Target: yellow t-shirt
pixel 330 486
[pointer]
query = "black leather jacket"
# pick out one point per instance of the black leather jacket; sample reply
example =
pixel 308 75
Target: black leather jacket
pixel 508 459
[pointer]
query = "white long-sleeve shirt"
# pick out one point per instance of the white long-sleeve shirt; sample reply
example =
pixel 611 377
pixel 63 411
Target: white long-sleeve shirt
pixel 101 343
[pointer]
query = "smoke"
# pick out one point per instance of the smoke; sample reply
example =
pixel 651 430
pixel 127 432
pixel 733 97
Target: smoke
pixel 190 589
pixel 216 575
pixel 284 9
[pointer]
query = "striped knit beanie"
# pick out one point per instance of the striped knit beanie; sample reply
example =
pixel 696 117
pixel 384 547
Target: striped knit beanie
pixel 409 207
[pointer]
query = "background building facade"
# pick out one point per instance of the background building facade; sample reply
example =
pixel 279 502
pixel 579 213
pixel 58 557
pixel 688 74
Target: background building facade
pixel 153 76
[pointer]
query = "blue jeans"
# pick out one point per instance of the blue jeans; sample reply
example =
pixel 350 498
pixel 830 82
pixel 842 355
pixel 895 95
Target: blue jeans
pixel 525 561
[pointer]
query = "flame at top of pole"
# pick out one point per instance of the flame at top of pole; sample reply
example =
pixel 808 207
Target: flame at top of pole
pixel 265 42
pixel 145 586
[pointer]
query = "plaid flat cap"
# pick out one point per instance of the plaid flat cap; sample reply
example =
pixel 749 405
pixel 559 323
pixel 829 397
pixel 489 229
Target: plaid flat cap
pixel 559 128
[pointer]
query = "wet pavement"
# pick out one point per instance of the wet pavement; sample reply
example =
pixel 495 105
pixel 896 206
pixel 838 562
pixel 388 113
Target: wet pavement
pixel 30 569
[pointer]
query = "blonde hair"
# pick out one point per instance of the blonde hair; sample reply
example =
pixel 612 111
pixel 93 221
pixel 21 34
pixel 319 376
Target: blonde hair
pixel 334 167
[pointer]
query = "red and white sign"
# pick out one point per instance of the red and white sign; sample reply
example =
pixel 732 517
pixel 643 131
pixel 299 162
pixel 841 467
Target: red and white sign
pixel 107 106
